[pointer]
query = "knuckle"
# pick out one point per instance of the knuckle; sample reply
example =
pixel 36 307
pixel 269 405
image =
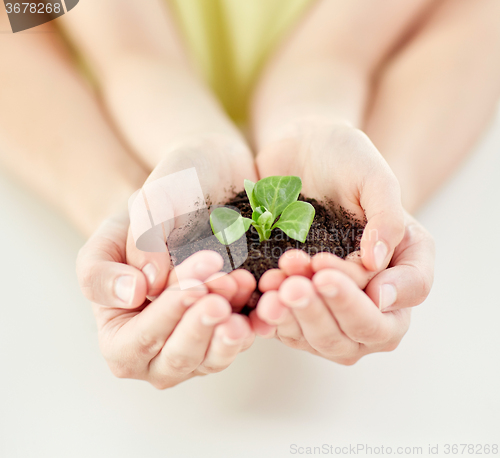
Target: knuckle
pixel 162 384
pixel 195 338
pixel 348 361
pixel 423 285
pixel 399 227
pixel 86 278
pixel 391 346
pixel 208 368
pixel 292 342
pixel 121 370
pixel 181 364
pixel 416 233
pixel 148 344
pixel 426 285
pixel 368 332
pixel 327 344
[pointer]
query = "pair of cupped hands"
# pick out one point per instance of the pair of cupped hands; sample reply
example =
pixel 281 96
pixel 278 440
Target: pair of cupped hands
pixel 151 329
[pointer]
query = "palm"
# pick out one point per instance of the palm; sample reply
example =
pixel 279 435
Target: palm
pixel 333 162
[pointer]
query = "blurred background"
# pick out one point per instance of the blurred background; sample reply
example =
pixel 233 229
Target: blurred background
pixel 58 398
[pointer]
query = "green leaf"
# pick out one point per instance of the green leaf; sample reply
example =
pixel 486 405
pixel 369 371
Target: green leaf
pixel 276 193
pixel 261 232
pixel 262 221
pixel 258 212
pixel 296 220
pixel 249 185
pixel 228 225
pixel 266 220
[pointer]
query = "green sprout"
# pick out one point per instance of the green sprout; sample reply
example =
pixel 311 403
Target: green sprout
pixel 270 198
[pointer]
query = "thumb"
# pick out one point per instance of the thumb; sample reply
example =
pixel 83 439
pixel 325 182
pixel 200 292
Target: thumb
pixel 102 273
pixel 381 201
pixel 167 201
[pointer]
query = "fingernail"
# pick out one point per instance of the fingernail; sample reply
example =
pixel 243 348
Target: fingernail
pixel 387 296
pixel 230 342
pixel 208 320
pixel 380 253
pixel 125 288
pixel 150 271
pixel 299 303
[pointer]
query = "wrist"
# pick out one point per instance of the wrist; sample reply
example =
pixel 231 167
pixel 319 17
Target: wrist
pixel 301 126
pixel 231 146
pixel 319 89
pixel 107 193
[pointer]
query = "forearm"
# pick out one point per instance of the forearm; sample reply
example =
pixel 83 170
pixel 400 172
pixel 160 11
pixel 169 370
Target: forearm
pixel 158 105
pixel 434 94
pixel 317 91
pixel 323 71
pixel 145 77
pixel 54 137
pixel 434 99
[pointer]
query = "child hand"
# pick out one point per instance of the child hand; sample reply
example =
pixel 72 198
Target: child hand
pixel 340 164
pixel 180 334
pixel 318 304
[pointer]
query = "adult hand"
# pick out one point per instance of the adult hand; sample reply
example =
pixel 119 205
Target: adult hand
pixel 221 164
pixel 180 334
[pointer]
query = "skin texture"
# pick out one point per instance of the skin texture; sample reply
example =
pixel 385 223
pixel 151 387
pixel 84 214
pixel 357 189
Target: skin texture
pixel 324 84
pixel 182 333
pixel 318 305
pixel 336 76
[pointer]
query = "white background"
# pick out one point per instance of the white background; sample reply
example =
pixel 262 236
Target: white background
pixel 442 385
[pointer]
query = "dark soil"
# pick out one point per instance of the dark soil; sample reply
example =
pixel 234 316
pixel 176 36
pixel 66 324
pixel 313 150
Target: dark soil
pixel 333 230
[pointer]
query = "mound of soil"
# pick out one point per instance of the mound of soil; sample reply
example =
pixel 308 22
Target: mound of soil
pixel 333 231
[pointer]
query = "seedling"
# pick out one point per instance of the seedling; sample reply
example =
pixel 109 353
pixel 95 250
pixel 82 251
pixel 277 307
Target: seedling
pixel 274 204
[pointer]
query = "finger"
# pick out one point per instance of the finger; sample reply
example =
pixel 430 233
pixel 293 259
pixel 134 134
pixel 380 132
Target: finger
pixel 246 285
pixel 271 280
pixel 222 284
pixel 315 320
pixel 273 312
pixel 408 282
pixel 261 328
pixel 102 273
pixel 249 340
pixel 381 200
pixel 145 335
pixel 235 287
pixel 270 310
pixel 200 265
pixel 356 314
pixel 187 346
pixel 226 343
pixel 296 262
pixel 352 267
pixel 154 266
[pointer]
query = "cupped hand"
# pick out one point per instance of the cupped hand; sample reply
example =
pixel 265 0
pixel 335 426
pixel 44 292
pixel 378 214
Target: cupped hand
pixel 319 305
pixel 181 333
pixel 221 165
pixel 339 164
